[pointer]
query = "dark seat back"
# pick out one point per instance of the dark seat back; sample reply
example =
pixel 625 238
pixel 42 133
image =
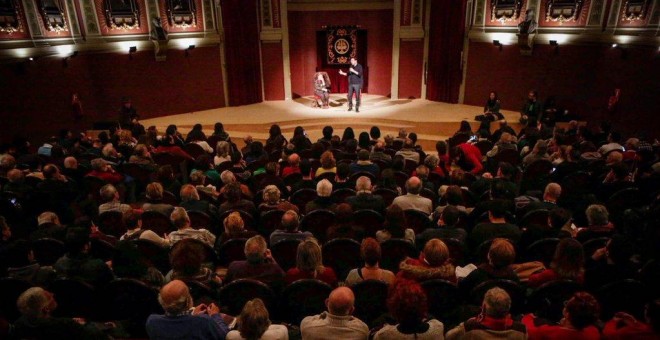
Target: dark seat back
pixel 285 252
pixel 235 294
pixel 394 251
pixel 342 255
pixel 370 300
pixel 302 298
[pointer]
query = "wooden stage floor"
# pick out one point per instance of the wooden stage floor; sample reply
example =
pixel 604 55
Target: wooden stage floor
pixel 432 121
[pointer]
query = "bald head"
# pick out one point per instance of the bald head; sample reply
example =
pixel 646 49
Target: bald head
pixel 340 302
pixel 413 185
pixel 175 297
pixel 294 159
pixel 552 192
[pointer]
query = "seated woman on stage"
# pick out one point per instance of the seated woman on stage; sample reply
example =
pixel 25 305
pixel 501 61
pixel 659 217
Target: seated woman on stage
pixel 491 109
pixel 322 88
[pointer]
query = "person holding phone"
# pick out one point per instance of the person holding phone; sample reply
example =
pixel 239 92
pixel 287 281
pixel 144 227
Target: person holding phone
pixel 355 82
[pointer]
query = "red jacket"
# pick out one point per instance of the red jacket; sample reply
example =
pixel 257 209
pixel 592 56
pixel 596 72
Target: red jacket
pixel 472 156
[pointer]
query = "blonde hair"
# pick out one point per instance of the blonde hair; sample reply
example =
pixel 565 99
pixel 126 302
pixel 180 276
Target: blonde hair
pixel 233 222
pixel 271 194
pixel 154 191
pixel 308 257
pixel 222 149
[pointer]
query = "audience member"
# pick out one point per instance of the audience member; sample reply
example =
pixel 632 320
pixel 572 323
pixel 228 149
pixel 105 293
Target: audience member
pixel 364 199
pixel 579 322
pixel 259 264
pixel 412 198
pixel 181 222
pixel 254 323
pixel 323 200
pixel 309 264
pixel 337 322
pixel 289 231
pixel 395 226
pixel 433 263
pixel 371 254
pixel 77 264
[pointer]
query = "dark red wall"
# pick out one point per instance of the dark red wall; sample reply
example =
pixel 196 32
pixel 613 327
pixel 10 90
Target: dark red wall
pixel 582 78
pixel 36 96
pixel 411 64
pixel 273 70
pixel 302 37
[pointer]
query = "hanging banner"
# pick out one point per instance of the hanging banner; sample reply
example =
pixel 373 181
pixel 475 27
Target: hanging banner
pixel 341 45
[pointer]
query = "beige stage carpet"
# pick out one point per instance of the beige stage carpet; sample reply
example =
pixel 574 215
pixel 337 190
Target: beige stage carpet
pixel 432 121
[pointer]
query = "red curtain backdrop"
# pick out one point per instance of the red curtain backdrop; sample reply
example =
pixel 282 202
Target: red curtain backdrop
pixel 447 28
pixel 242 51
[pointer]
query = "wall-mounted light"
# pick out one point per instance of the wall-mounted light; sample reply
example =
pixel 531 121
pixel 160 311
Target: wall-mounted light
pixel 31 59
pixel 190 48
pixel 555 44
pixel 614 45
pixel 498 44
pixel 131 50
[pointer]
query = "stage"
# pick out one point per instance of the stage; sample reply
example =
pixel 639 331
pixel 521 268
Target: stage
pixel 432 121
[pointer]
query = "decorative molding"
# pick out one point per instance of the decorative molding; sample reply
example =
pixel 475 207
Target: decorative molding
pixel 635 10
pixel 596 13
pixel 480 13
pixel 266 15
pixel 567 11
pixel 505 11
pixel 46 16
pixel 18 27
pixel 417 12
pixel 271 34
pixel 411 32
pixel 614 12
pixel 209 20
pixel 89 15
pixel 73 18
pixel 655 17
pixel 32 20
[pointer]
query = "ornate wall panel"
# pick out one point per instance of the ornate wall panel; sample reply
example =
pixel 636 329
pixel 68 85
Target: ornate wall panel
pixel 573 13
pixel 189 19
pixel 52 17
pixel 110 28
pixel 635 13
pixel 13 22
pixel 515 12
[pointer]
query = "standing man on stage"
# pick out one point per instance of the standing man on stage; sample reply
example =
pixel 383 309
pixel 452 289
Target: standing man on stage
pixel 354 84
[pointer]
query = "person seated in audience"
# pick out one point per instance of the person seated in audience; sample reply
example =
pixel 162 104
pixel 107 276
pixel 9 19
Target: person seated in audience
pixel 446 228
pixel 464 129
pixel 300 140
pixel 289 231
pixel 569 166
pixel 190 201
pixel 219 131
pixel 78 264
pixel 506 141
pixel 388 181
pixel 108 153
pixel 497 226
pixel 259 265
pixel 567 264
pixel 630 147
pixel 141 156
pixel 110 197
pixel 234 228
pixel 348 135
pixel 307 181
pixel 395 226
pixel 494 321
pixel 422 172
pixel 129 263
pixel 501 256
pixel 203 164
pixel 551 195
pixel 433 263
pixel 222 153
pixel 16 183
pixel 341 178
pixel 378 153
pixel 49 226
pixel 452 197
pixel 371 253
pixel 412 198
pixel 625 326
pixel 293 166
pixel 256 153
pixel 228 177
pixel 195 134
pixel 165 176
pixel 235 201
pixel 208 191
pixel 483 132
pixel 168 145
pixel 363 164
pixel 580 321
pixel 611 263
pixel 617 179
pixel 599 224
pixel 309 265
pixel 182 320
pixel 324 200
pixel 103 170
pixel 327 135
pixel 343 226
pixel 154 194
pixel 364 141
pixel 36 322
pixel 364 199
pixel 181 222
pixel 374 134
pixel 328 164
pixel 337 322
pixel 254 323
pixel 126 139
pixel 408 151
pixel 613 140
pixel 468 157
pixel 408 304
pixel 539 152
pixel 21 265
pixel 272 201
pixel 187 263
pixel 133 222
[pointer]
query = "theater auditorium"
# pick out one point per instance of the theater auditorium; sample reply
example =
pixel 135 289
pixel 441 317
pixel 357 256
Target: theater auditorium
pixel 313 169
